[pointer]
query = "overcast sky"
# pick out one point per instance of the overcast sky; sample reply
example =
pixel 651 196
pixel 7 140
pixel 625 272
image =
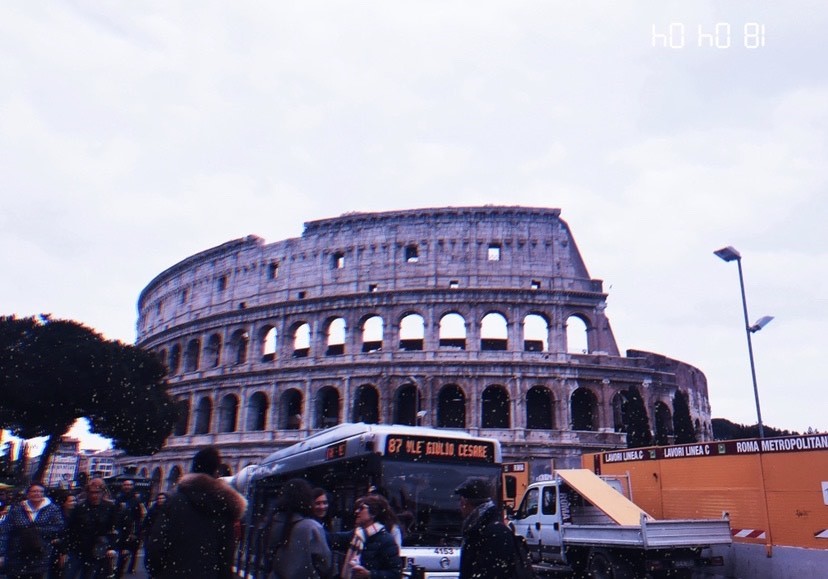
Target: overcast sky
pixel 134 134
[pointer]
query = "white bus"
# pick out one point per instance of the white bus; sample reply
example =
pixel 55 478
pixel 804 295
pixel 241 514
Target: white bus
pixel 416 469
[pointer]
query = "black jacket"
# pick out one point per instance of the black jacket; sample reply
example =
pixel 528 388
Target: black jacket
pixel 488 550
pixel 193 537
pixel 381 556
pixel 92 529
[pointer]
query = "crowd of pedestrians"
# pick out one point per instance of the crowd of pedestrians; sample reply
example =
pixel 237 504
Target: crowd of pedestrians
pixel 193 533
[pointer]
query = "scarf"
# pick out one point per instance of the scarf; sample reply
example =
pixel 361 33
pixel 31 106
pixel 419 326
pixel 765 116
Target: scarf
pixel 474 517
pixel 353 557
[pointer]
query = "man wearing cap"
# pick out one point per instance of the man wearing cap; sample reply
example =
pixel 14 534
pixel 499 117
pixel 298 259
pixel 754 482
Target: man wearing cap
pixel 193 537
pixel 488 550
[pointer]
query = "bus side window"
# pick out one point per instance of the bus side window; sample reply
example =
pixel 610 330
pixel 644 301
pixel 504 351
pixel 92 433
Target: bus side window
pixel 529 506
pixel 510 484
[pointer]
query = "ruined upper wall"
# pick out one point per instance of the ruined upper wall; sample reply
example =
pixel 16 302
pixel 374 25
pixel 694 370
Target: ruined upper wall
pixel 469 248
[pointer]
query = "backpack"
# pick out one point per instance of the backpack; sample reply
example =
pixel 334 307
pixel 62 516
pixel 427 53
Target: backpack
pixel 523 560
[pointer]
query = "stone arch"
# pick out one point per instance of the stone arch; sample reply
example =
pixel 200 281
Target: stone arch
pixel 291 409
pixel 212 352
pixel 366 404
pixel 191 355
pixel 451 407
pixel 412 332
pixel 239 342
pixel 406 404
pixel 335 330
pixel 577 334
pixel 495 412
pixel 663 424
pixel 584 405
pixel 453 331
pixel 228 413
pixel 269 344
pixel 372 333
pixel 203 416
pixel 175 475
pixel 175 359
pixel 619 412
pixel 535 333
pixel 163 357
pixel 257 412
pixel 156 478
pixel 182 422
pixel 301 340
pixel 494 332
pixel 539 408
pixel 327 407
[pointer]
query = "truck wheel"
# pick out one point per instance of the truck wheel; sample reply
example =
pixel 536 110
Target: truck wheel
pixel 603 565
pixel 599 565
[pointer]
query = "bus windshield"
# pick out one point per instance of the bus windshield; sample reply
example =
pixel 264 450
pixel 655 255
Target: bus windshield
pixel 422 495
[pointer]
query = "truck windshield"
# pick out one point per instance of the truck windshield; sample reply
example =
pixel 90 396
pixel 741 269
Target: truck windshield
pixel 422 495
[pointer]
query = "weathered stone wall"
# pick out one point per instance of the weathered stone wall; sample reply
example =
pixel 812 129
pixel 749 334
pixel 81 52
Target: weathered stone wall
pixel 225 305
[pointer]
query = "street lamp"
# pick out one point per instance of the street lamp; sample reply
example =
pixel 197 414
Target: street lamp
pixel 730 254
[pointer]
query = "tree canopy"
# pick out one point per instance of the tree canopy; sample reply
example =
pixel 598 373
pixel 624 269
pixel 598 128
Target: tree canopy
pixel 638 428
pixel 53 372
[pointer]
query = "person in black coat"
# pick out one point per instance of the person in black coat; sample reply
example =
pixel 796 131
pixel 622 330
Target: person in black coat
pixel 488 550
pixel 373 552
pixel 91 534
pixel 193 537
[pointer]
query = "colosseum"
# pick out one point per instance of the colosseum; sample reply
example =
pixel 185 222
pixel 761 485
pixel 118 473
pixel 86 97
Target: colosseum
pixel 480 318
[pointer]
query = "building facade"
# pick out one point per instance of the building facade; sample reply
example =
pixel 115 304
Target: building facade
pixel 444 317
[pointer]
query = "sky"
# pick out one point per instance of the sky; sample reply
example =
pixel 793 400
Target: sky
pixel 133 135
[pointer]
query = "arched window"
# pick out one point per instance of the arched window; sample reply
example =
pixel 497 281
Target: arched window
pixel 412 333
pixel 191 355
pixel 535 334
pixel 157 476
pixel 576 335
pixel 268 340
pixel 203 416
pixel 406 402
pixel 213 351
pixel 366 404
pixel 495 408
pixel 584 410
pixel 619 413
pixel 182 421
pixel 175 359
pixel 301 341
pixel 451 407
pixel 453 331
pixel 663 424
pixel 291 405
pixel 175 475
pixel 257 412
pixel 238 347
pixel 494 332
pixel 336 338
pixel 539 409
pixel 372 330
pixel 228 412
pixel 327 407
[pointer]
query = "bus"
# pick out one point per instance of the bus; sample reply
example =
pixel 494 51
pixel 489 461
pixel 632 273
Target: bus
pixel 415 468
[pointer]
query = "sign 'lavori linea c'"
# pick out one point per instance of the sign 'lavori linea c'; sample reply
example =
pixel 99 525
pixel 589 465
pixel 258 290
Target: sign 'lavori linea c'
pixel 724 448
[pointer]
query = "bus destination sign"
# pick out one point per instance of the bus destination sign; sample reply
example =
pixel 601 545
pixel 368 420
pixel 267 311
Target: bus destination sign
pixel 432 448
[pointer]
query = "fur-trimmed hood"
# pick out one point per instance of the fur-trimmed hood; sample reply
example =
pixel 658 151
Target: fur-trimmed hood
pixel 213 496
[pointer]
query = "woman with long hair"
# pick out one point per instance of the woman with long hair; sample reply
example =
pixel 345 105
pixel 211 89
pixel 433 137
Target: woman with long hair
pixel 27 532
pixel 296 543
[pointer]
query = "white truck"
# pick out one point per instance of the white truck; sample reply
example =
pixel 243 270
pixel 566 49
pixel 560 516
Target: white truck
pixel 576 520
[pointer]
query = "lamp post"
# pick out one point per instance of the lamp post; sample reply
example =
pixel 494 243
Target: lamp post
pixel 730 254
